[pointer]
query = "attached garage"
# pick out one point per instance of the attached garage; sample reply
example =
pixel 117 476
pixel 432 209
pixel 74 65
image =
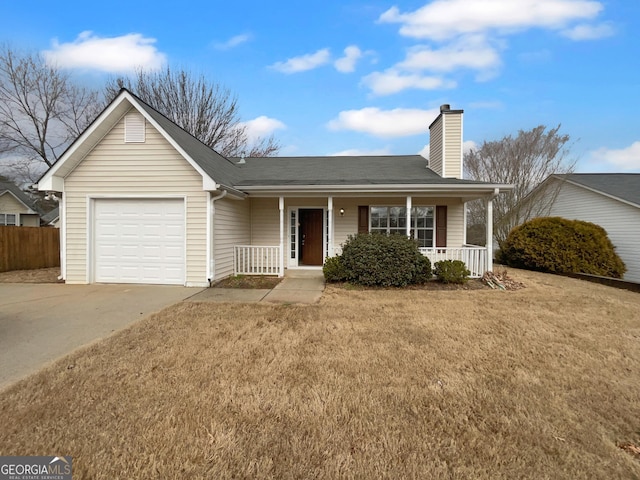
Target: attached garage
pixel 139 240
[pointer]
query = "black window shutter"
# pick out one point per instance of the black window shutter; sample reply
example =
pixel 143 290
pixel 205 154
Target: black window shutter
pixel 441 226
pixel 363 219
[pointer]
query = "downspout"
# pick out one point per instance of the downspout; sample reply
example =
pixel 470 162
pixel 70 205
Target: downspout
pixel 211 253
pixel 329 227
pixel 62 213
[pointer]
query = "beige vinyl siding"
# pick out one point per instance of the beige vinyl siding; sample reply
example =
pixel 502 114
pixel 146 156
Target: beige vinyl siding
pixel 151 169
pixel 232 227
pixel 265 221
pixel 436 146
pixel 453 141
pixel 620 220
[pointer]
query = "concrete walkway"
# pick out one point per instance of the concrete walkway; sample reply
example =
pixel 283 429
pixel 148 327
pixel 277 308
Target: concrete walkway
pixel 297 286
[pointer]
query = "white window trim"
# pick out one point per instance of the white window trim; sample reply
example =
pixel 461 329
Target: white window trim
pixel 413 217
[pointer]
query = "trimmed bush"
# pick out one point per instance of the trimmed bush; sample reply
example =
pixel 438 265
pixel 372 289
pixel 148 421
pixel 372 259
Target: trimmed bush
pixel 374 259
pixel 558 245
pixel 451 271
pixel 334 270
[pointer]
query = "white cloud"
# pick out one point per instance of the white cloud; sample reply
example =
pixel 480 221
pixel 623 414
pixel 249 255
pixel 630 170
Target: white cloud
pixel 262 126
pixel 347 63
pixel 304 62
pixel 471 35
pixel 471 52
pixel 233 42
pixel 114 55
pixel 625 159
pixel 589 32
pixel 355 152
pixel 399 122
pixel 393 81
pixel 446 19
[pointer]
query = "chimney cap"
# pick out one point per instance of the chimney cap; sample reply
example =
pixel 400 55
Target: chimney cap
pixel 445 107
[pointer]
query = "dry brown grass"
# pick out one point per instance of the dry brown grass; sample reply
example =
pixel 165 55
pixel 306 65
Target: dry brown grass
pixel 39 275
pixel 537 383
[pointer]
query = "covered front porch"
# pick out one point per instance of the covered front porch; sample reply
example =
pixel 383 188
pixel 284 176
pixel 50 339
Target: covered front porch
pixel 301 232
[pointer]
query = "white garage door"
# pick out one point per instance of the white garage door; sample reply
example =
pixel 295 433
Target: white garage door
pixel 139 241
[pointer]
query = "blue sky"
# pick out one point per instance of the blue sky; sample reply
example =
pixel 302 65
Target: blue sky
pixel 360 76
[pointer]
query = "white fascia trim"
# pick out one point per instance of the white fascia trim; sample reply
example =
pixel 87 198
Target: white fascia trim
pixel 402 189
pixel 46 178
pixel 208 183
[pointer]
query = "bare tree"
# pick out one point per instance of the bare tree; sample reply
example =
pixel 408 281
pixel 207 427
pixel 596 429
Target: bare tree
pixel 205 109
pixel 523 161
pixel 41 113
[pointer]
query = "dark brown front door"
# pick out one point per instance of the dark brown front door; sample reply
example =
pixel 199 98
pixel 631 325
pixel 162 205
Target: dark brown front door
pixel 311 236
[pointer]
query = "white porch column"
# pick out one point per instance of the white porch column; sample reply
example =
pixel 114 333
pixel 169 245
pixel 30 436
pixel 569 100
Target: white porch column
pixel 409 216
pixel 281 260
pixel 330 227
pixel 489 241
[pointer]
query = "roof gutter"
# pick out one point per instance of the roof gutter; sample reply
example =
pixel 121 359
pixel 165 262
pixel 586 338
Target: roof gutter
pixel 382 188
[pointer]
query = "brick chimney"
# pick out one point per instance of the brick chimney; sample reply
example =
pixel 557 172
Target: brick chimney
pixel 445 143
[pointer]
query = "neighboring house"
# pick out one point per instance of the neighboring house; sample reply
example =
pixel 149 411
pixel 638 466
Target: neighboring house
pixel 143 201
pixel 52 219
pixel 16 207
pixel 611 200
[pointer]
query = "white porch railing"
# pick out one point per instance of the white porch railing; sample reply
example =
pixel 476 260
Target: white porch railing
pixel 256 260
pixel 265 260
pixel 475 258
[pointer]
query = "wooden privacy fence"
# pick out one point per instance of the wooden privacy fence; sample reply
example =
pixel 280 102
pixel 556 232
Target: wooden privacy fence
pixel 26 248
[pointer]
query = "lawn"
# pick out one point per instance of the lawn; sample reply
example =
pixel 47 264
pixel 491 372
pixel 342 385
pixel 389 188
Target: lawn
pixel 540 383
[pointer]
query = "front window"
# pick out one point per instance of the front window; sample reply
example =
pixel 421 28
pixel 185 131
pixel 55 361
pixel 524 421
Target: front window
pixel 394 220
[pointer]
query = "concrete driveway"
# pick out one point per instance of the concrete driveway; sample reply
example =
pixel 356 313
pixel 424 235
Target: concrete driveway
pixel 40 323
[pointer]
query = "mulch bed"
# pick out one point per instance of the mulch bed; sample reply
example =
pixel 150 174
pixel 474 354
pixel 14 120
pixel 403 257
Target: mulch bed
pixel 248 281
pixel 433 285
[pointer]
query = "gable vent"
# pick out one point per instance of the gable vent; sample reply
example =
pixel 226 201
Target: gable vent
pixel 133 128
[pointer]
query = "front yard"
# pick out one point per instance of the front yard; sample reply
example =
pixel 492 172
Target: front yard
pixel 536 383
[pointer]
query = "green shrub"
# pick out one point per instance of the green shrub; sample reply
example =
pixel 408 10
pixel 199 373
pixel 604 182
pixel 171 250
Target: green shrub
pixel 384 260
pixel 558 245
pixel 451 271
pixel 334 270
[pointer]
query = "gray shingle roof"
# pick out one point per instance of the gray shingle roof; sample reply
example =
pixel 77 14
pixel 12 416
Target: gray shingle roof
pixel 318 170
pixel 625 186
pixel 355 170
